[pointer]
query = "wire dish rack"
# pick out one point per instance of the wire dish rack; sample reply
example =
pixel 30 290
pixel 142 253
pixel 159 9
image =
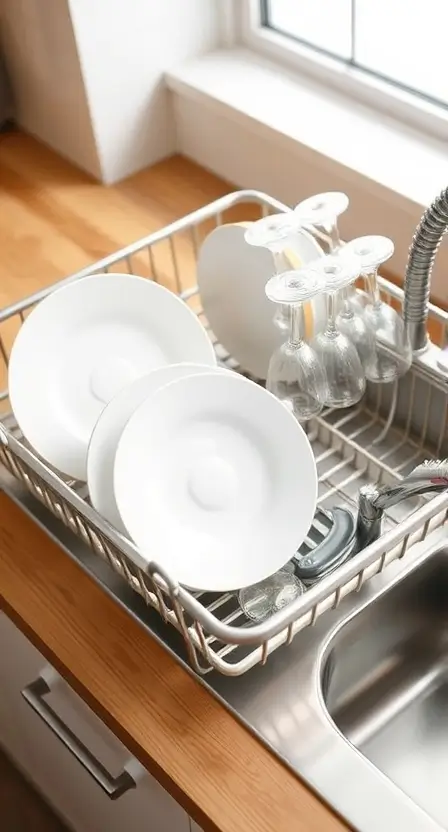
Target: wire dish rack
pixel 395 427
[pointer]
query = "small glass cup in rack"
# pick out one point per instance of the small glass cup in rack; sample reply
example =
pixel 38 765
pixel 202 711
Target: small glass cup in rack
pixel 295 373
pixel 272 232
pixel 338 354
pixel 259 601
pixel 392 354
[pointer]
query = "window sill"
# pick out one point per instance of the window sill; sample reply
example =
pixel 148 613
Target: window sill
pixel 262 126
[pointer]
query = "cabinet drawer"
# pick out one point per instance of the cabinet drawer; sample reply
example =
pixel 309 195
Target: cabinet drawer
pixel 55 768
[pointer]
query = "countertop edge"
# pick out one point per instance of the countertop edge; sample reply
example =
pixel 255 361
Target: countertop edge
pixel 220 773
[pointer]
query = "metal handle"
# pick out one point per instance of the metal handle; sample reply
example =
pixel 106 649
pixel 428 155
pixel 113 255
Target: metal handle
pixel 34 694
pixel 334 549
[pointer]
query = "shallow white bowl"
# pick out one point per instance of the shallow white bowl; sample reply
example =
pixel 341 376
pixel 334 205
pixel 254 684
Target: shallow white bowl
pixel 83 344
pixel 215 480
pixel 109 427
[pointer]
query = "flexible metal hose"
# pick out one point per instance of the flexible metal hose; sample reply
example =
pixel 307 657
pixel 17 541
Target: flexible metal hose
pixel 422 253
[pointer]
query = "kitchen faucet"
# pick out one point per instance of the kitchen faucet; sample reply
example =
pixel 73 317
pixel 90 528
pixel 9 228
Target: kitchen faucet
pixel 349 535
pixel 422 253
pixel 373 500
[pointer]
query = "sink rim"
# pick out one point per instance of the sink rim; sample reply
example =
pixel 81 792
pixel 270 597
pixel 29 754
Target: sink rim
pixel 420 554
pixel 417 556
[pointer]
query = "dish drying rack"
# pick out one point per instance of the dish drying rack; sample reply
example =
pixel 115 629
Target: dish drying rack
pixel 379 440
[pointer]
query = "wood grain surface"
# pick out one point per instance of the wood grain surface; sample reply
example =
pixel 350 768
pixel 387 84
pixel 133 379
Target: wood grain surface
pixel 55 220
pixel 210 763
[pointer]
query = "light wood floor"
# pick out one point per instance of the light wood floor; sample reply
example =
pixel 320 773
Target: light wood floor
pixel 54 219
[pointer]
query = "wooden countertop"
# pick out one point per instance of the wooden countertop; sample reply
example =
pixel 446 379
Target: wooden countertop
pixel 219 772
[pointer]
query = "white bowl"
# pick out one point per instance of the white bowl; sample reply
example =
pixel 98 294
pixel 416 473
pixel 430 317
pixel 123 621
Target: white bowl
pixel 232 276
pixel 83 344
pixel 109 427
pixel 216 481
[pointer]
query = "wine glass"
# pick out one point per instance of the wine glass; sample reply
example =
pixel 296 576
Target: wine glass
pixel 392 353
pixel 352 323
pixel 323 211
pixel 295 374
pixel 271 232
pixel 338 355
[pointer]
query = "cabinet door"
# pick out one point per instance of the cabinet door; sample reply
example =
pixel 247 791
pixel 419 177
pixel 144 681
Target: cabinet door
pixel 53 762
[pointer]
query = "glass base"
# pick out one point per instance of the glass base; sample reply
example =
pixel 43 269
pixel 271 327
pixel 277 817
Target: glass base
pixel 302 405
pixel 342 401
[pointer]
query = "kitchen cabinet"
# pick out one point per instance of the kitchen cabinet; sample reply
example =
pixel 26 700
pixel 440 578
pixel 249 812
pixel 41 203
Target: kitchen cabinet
pixel 74 770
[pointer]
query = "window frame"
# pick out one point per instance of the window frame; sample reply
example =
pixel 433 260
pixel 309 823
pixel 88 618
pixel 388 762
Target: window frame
pixel 359 85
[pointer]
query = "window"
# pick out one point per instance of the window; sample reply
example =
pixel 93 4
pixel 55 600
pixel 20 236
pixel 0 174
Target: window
pixel 401 42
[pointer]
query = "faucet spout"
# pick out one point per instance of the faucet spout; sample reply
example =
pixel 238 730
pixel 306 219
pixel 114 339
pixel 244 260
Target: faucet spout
pixel 373 500
pixel 348 536
pixel 422 253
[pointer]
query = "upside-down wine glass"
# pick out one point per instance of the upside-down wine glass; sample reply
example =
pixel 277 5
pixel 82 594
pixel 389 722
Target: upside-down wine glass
pixel 295 374
pixel 338 355
pixel 272 232
pixel 354 326
pixel 323 211
pixel 392 354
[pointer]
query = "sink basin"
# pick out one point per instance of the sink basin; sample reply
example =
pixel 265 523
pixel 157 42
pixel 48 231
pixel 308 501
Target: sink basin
pixel 385 684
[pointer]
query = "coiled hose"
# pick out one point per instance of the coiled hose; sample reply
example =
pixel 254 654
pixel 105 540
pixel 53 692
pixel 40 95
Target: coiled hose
pixel 422 253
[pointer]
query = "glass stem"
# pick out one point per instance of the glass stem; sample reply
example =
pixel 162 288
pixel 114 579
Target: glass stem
pixel 279 263
pixel 333 233
pixel 331 313
pixel 372 283
pixel 345 297
pixel 295 337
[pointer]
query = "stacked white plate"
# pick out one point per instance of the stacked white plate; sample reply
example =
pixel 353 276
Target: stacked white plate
pixel 110 426
pixel 113 380
pixel 83 344
pixel 216 480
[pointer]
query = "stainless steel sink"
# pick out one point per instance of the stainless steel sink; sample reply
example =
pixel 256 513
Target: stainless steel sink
pixel 385 684
pixel 356 705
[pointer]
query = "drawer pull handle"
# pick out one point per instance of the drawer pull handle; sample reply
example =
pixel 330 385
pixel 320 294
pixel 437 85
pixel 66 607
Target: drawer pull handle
pixel 34 694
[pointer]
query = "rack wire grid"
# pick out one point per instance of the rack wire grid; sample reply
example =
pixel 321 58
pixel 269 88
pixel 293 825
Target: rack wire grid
pixel 393 429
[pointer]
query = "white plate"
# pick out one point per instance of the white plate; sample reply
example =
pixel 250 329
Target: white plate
pixel 216 481
pixel 232 276
pixel 83 344
pixel 109 427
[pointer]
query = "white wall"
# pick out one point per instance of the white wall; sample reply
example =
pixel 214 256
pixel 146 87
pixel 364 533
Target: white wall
pixel 124 47
pixel 42 60
pixel 88 74
pixel 244 153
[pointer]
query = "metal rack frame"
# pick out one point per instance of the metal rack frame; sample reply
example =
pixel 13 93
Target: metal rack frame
pixel 376 441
